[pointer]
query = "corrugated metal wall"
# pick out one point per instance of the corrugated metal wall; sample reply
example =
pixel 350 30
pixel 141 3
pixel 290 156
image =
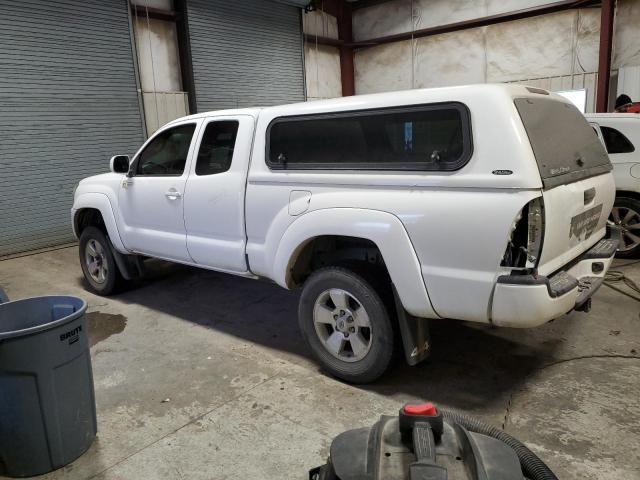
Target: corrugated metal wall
pixel 245 53
pixel 68 102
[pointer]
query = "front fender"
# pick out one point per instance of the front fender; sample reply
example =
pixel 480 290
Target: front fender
pixel 383 229
pixel 99 201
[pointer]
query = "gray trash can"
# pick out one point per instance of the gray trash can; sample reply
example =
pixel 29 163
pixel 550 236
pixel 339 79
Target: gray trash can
pixel 47 403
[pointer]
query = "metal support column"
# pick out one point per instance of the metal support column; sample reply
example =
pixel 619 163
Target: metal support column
pixel 604 56
pixel 345 33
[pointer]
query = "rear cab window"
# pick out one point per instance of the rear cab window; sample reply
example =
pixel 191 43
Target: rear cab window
pixel 566 147
pixel 216 147
pixel 434 137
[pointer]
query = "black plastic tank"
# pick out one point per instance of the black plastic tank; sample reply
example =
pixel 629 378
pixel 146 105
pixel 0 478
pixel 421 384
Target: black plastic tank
pixel 418 444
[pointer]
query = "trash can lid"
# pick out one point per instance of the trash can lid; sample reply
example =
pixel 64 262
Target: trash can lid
pixel 36 314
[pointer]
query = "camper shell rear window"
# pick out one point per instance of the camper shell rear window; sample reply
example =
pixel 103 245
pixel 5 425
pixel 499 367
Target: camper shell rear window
pixel 565 146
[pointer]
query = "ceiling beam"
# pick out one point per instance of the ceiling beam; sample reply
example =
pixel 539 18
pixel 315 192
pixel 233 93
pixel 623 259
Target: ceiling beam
pixel 357 5
pixel 320 40
pixel 479 22
pixel 332 7
pixel 156 13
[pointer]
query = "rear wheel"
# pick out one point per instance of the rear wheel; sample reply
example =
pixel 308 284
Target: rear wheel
pixel 346 324
pixel 97 262
pixel 626 216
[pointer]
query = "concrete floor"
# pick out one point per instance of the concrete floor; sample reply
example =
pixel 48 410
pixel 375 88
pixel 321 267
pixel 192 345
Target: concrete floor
pixel 201 375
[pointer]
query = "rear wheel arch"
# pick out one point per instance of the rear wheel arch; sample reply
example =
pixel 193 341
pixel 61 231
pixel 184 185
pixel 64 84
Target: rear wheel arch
pixel 373 234
pixel 332 250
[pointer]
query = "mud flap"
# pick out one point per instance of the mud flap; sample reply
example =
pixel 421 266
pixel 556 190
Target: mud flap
pixel 131 266
pixel 415 333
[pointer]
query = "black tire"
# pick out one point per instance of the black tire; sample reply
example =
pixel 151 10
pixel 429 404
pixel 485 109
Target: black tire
pixel 113 280
pixel 625 205
pixel 381 342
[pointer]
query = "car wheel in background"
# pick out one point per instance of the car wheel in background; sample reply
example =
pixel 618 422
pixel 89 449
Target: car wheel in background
pixel 626 216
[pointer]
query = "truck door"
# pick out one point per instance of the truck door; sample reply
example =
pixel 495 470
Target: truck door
pixel 215 193
pixel 151 198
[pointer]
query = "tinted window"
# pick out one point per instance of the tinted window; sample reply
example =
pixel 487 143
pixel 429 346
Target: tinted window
pixel 216 148
pixel 167 152
pixel 433 137
pixel 566 147
pixel 615 141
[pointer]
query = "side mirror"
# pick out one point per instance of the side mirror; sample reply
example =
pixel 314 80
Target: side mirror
pixel 119 164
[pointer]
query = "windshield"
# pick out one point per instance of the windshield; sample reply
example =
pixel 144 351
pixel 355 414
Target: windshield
pixel 565 146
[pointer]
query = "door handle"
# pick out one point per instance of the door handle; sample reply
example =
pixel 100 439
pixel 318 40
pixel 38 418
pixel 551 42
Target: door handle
pixel 173 194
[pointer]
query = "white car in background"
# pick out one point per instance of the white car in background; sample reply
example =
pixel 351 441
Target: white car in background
pixel 620 133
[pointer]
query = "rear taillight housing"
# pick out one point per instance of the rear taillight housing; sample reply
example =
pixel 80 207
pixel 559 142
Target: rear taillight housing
pixel 525 238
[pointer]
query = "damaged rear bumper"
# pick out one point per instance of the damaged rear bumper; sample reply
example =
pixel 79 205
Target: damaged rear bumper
pixel 532 300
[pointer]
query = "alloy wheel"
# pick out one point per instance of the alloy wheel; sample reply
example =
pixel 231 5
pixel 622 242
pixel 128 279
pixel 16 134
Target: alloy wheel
pixel 628 221
pixel 342 325
pixel 96 261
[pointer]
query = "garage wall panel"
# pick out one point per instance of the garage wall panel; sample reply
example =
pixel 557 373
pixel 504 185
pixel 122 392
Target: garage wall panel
pixel 68 102
pixel 321 62
pixel 245 53
pixel 626 50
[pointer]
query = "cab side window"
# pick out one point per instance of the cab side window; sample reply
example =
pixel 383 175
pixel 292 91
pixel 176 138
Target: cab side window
pixel 167 152
pixel 616 141
pixel 216 148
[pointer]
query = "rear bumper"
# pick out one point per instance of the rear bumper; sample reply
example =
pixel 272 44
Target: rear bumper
pixel 528 300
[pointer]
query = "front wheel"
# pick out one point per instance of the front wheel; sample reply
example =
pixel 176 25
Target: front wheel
pixel 346 325
pixel 97 262
pixel 626 216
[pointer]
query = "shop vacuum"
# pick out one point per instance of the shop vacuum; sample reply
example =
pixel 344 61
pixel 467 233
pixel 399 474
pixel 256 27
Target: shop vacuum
pixel 426 443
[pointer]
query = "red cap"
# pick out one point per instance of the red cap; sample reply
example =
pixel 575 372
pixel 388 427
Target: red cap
pixel 428 409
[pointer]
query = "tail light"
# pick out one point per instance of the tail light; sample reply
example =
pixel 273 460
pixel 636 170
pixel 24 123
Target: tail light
pixel 525 238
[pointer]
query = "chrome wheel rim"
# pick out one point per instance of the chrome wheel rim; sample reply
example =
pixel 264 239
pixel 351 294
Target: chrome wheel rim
pixel 628 221
pixel 342 325
pixel 96 261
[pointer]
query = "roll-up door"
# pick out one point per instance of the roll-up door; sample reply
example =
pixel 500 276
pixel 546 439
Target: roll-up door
pixel 68 102
pixel 245 53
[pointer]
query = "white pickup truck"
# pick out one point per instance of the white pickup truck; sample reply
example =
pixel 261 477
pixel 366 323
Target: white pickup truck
pixel 484 203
